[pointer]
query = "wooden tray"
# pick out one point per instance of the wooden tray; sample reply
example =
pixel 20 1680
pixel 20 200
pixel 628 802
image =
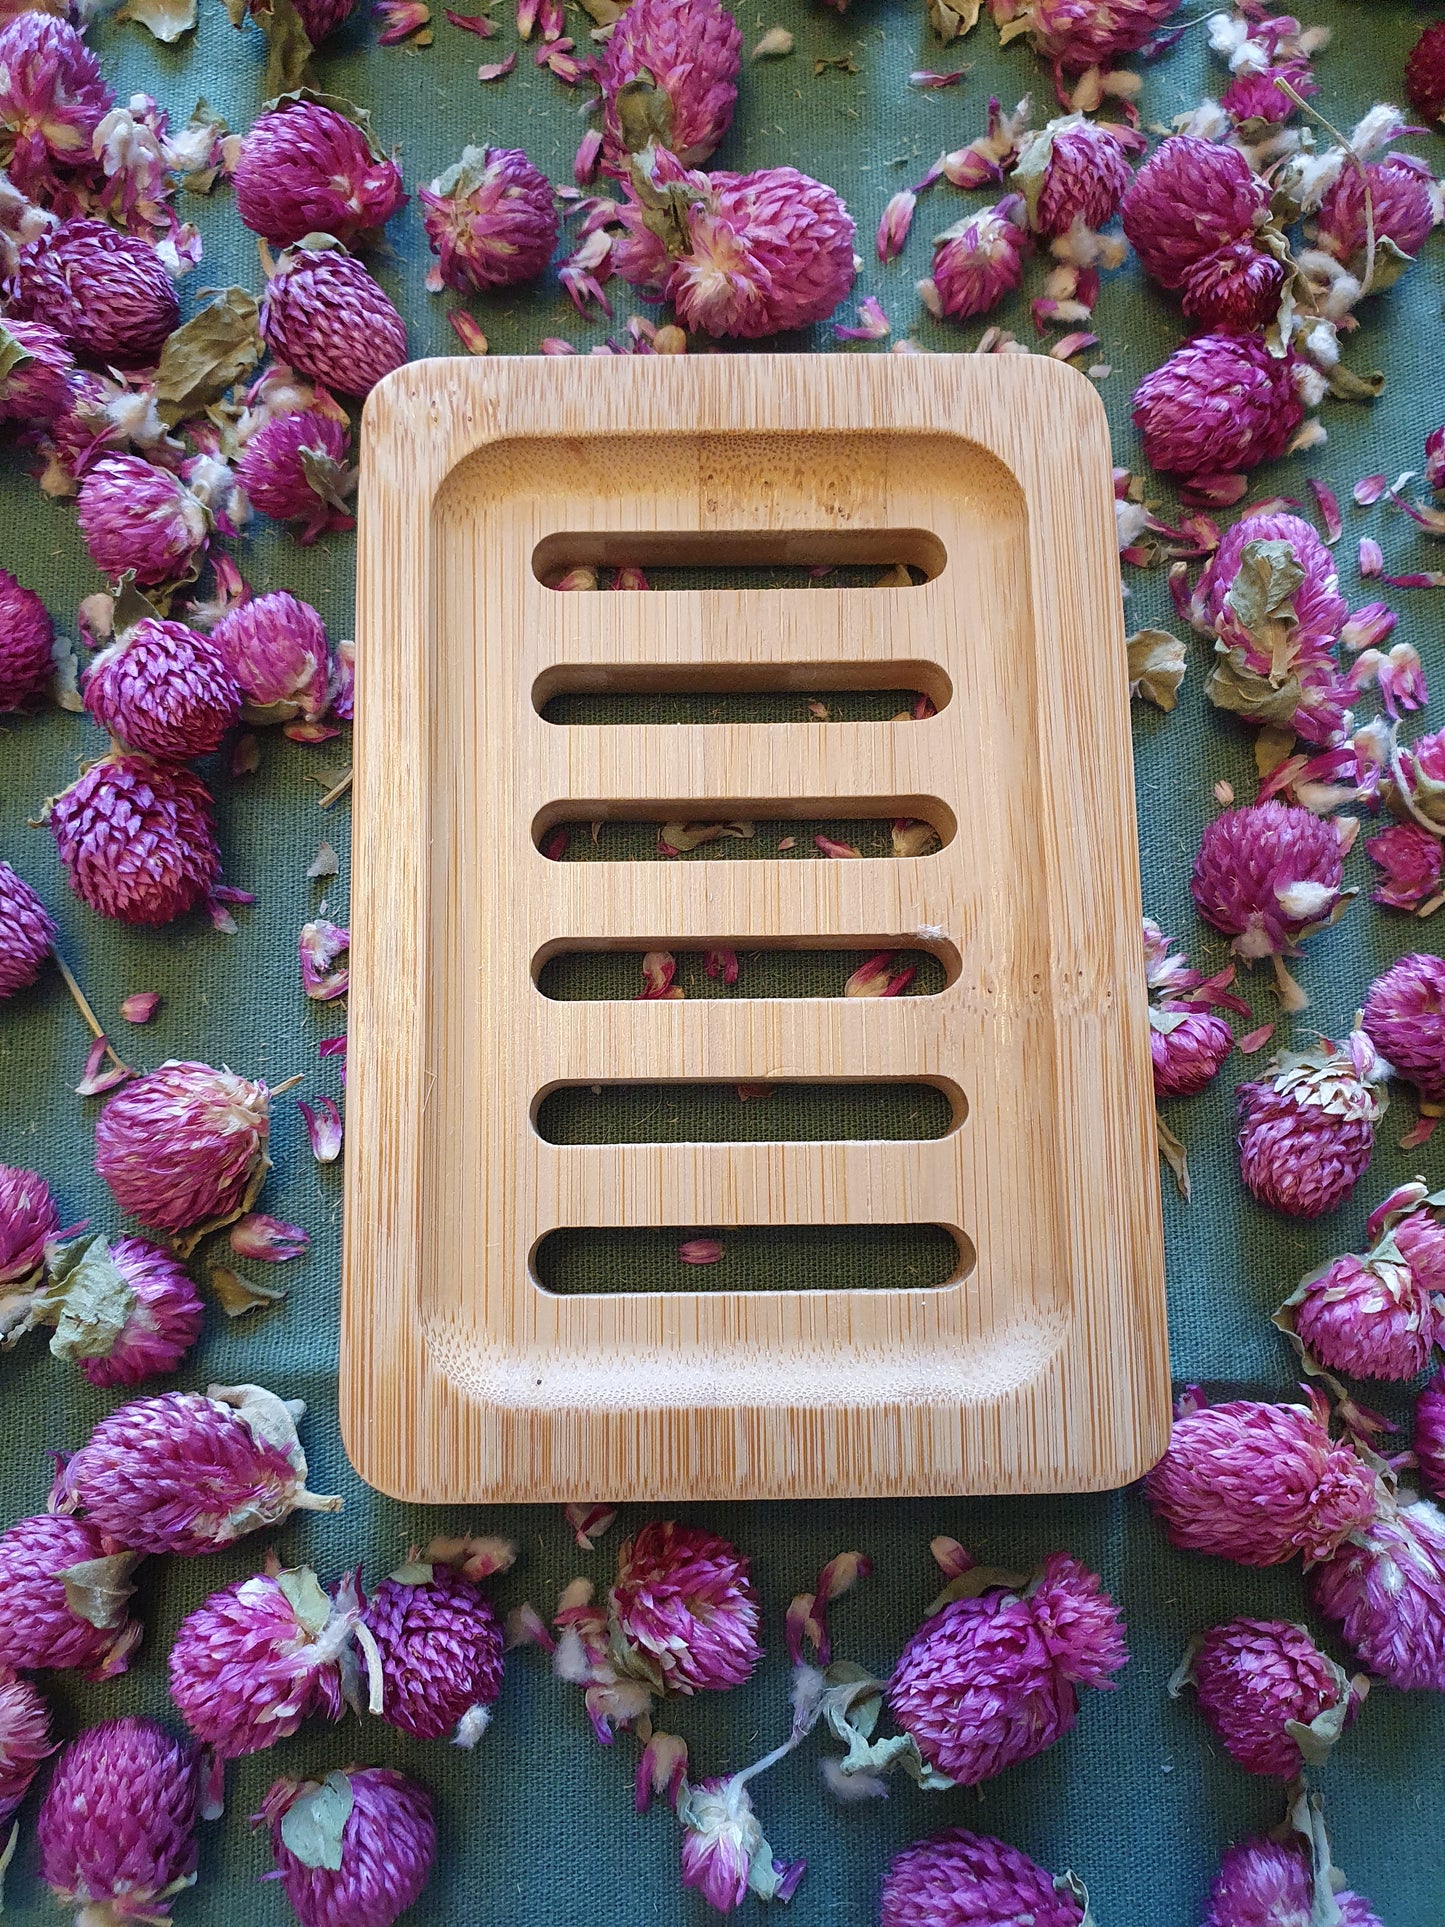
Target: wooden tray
pixel 1043 1365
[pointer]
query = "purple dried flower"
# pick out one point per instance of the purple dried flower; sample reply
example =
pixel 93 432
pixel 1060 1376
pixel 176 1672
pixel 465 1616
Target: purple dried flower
pixel 724 1853
pixel 1253 96
pixel 440 1643
pixel 962 1879
pixel 125 1311
pixel 323 977
pixel 1307 1131
pixel 323 314
pixel 1257 1483
pixel 491 219
pixel 682 57
pixel 185 1145
pixel 52 99
pixel 1236 288
pixel 36 384
pixel 26 642
pixel 63 1593
pixel 992 1679
pixel 755 254
pixel 188 1473
pixel 138 840
pixel 140 518
pixel 1269 875
pixel 354 1849
pixel 976 262
pixel 1429 1440
pixel 106 293
pixel 294 469
pixel 1402 203
pixel 1385 1590
pixel 684 1603
pixel 1275 1700
pixel 1191 198
pixel 1078 34
pixel 1219 404
pixel 27 934
pixel 1072 171
pixel 276 647
pixel 1404 1017
pixel 117 1829
pixel 163 689
pixel 1425 73
pixel 29 1219
pixel 305 169
pixel 1269 1883
pixel 1369 1317
pixel 1410 858
pixel 1187 1042
pixel 259 1656
pixel 1319 611
pixel 24 1740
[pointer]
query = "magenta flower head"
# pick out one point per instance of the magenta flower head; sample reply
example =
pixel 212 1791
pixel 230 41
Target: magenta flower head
pixel 138 840
pixel 185 1145
pixel 305 169
pixel 748 254
pixel 491 219
pixel 139 518
pixel 1191 198
pixel 29 1219
pixel 1409 859
pixel 1219 404
pixel 257 1657
pixel 36 385
pixel 323 314
pixel 1403 201
pixel 685 1606
pixel 1429 1440
pixel 992 1679
pixel 1307 1129
pixel 440 1643
pixel 188 1473
pixel 1404 1016
pixel 1233 290
pixel 1274 1699
pixel 27 640
pixel 125 1311
pixel 962 1879
pixel 1269 875
pixel 163 689
pixel 1073 171
pixel 1257 1483
pixel 276 647
pixel 1385 1590
pixel 1425 73
pixel 354 1849
pixel 1078 34
pixel 1270 1883
pixel 724 1853
pixel 63 1592
pixel 976 262
pixel 670 74
pixel 1378 1316
pixel 24 1740
pixel 1317 610
pixel 1187 1042
pixel 295 469
pixel 117 1829
pixel 107 294
pixel 27 935
pixel 52 99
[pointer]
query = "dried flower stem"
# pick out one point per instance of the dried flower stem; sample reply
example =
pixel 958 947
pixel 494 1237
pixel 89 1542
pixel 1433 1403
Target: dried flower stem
pixel 92 1022
pixel 335 793
pixel 289 1085
pixel 1358 165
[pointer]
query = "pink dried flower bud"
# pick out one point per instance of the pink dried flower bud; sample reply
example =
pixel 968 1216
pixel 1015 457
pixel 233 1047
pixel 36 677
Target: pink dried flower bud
pixel 756 254
pixel 63 1593
pixel 27 640
pixel 29 1219
pixel 491 219
pixel 1385 1590
pixel 27 935
pixel 1425 73
pixel 106 293
pixel 1274 1699
pixel 117 1829
pixel 276 647
pixel 1257 1483
pixel 1073 171
pixel 24 1740
pixel 724 1853
pixel 1429 1439
pixel 1410 859
pixel 1079 34
pixel 1236 288
pixel 1219 404
pixel 36 385
pixel 679 60
pixel 323 314
pixel 962 1879
pixel 1370 1317
pixel 440 1643
pixel 1270 1883
pixel 1268 875
pixel 353 1850
pixel 185 1145
pixel 294 469
pixel 976 262
pixel 1403 204
pixel 1404 1017
pixel 1253 96
pixel 124 1311
pixel 992 1679
pixel 1190 199
pixel 1188 1048
pixel 138 518
pixel 163 689
pixel 138 840
pixel 188 1473
pixel 259 1656
pixel 1307 1132
pixel 305 169
pixel 268 1240
pixel 685 1604
pixel 52 99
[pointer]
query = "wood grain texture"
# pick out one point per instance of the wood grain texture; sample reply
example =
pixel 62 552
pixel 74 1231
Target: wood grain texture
pixel 1043 1366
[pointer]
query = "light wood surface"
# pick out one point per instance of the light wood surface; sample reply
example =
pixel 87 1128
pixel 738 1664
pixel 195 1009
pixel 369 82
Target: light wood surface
pixel 1043 1364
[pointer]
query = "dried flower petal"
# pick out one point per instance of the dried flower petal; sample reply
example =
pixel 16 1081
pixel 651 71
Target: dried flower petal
pixel 258 1236
pixel 700 1251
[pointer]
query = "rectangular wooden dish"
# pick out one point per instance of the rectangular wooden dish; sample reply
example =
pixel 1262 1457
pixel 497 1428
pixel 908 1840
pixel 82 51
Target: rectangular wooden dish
pixel 1042 1366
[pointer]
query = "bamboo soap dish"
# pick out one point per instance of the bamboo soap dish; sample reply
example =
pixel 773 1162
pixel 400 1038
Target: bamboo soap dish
pixel 1041 1365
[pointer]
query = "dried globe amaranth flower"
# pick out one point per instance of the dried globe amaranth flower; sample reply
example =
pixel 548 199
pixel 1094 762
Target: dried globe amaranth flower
pixel 277 650
pixel 163 689
pixel 962 1879
pixel 1277 1703
pixel 117 1828
pixel 63 1591
pixel 304 168
pixel 1307 1129
pixel 324 315
pixel 107 294
pixel 669 73
pixel 27 935
pixel 491 219
pixel 185 1146
pixel 353 1850
pixel 27 642
pixel 295 469
pixel 138 839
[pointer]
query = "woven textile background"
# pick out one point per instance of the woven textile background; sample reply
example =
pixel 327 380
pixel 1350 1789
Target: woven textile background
pixel 537 1825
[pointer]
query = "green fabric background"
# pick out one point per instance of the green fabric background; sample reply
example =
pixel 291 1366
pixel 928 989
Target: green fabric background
pixel 537 1826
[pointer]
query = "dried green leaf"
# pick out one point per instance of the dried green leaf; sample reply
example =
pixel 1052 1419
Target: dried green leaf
pixel 237 1295
pixel 644 113
pixel 314 1823
pixel 1033 163
pixel 605 12
pixel 1391 262
pixel 207 355
pixel 96 1590
pixel 416 1572
pixel 360 117
pixel 1156 666
pixel 1232 684
pixel 12 355
pixel 65 676
pixel 288 58
pixel 307 1599
pixel 1346 385
pixel 88 1299
pixel 131 606
pixel 1171 1149
pixel 166 20
pixel 201 180
pixel 331 481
